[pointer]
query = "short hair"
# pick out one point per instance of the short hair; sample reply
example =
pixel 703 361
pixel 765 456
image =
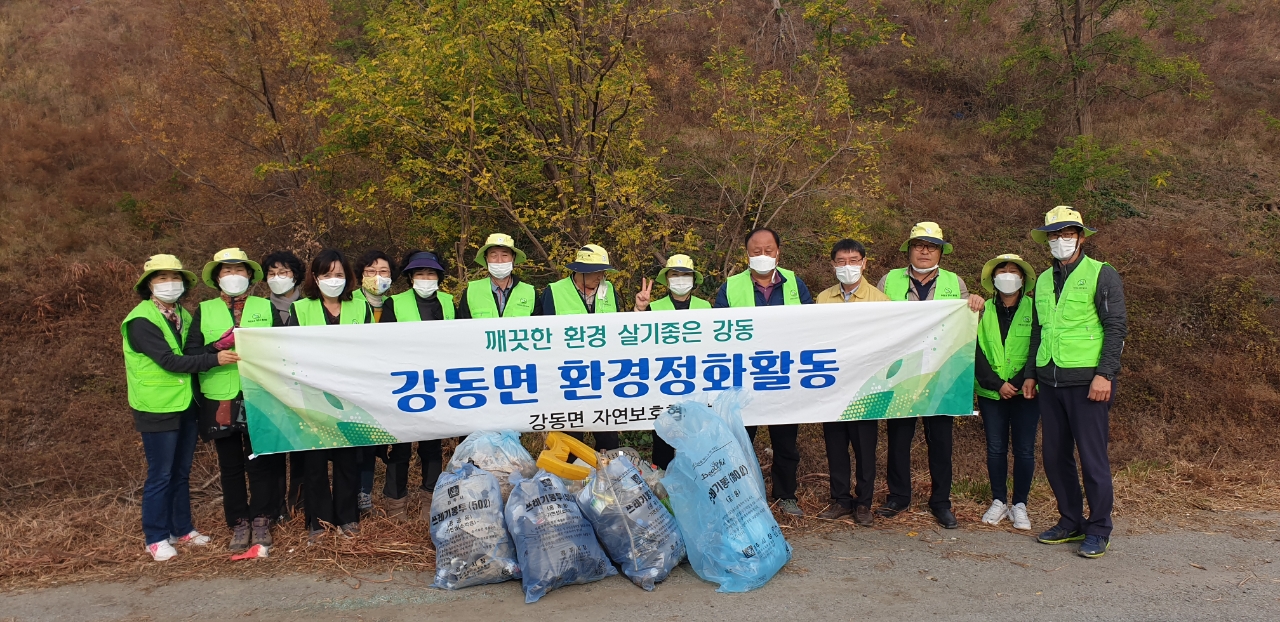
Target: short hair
pixel 371 256
pixel 144 288
pixel 848 245
pixel 439 258
pixel 320 265
pixel 776 239
pixel 286 259
pixel 1010 263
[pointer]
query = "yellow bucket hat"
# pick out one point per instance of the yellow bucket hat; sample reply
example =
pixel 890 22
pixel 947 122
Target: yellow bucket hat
pixel 681 264
pixel 929 232
pixel 1059 218
pixel 160 263
pixel 229 255
pixel 591 258
pixel 503 240
pixel 1028 273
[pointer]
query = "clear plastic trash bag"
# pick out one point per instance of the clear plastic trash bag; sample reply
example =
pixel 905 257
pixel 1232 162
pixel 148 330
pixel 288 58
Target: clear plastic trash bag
pixel 469 530
pixel 499 453
pixel 555 544
pixel 718 496
pixel 635 528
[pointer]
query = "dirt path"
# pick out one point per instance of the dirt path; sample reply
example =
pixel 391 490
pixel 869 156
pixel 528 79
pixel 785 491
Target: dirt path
pixel 967 574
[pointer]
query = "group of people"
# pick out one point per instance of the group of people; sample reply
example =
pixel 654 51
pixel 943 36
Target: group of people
pixel 1048 349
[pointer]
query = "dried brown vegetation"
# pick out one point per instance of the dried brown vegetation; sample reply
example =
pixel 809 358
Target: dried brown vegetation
pixel 116 143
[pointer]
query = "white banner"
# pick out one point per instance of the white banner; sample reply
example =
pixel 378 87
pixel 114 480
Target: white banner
pixel 335 386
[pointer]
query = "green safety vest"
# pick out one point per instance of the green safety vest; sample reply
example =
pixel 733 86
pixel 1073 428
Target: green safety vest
pixel 741 291
pixel 152 389
pixel 406 306
pixel 947 287
pixel 666 304
pixel 311 312
pixel 223 382
pixel 569 302
pixel 1070 330
pixel 1006 357
pixel 482 305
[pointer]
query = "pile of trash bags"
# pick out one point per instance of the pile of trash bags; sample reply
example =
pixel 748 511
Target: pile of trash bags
pixel 718 495
pixel 497 516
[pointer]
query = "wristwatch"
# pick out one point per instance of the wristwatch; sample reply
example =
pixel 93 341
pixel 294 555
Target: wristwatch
pixel 1107 376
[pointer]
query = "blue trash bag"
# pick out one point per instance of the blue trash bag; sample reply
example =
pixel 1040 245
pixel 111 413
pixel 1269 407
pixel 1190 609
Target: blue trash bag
pixel 469 532
pixel 554 543
pixel 635 528
pixel 499 453
pixel 718 495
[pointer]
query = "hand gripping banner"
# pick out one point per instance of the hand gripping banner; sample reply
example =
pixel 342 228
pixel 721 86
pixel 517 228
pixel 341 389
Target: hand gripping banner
pixel 336 386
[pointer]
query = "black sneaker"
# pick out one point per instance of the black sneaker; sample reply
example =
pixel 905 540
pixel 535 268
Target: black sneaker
pixel 890 509
pixel 945 517
pixel 1059 535
pixel 1094 547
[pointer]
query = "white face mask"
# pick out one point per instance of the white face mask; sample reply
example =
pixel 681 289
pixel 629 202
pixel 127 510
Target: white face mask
pixel 923 270
pixel 680 285
pixel 500 270
pixel 377 285
pixel 234 284
pixel 168 292
pixel 848 275
pixel 1063 248
pixel 762 264
pixel 280 285
pixel 426 288
pixel 332 287
pixel 1007 283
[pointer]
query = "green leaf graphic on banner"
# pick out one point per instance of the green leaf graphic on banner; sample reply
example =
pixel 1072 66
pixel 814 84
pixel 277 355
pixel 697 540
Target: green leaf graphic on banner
pixel 325 420
pixel 894 393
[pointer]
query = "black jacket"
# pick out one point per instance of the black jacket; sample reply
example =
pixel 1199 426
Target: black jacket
pixel 208 409
pixel 428 309
pixel 1109 303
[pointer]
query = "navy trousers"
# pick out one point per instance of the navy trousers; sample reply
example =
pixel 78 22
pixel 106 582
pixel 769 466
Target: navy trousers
pixel 1072 422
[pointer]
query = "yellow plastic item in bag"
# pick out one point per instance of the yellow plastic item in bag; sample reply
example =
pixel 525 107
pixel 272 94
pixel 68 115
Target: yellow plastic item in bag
pixel 555 458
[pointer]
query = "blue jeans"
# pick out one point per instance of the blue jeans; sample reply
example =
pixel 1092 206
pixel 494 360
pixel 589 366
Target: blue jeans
pixel 166 497
pixel 1015 419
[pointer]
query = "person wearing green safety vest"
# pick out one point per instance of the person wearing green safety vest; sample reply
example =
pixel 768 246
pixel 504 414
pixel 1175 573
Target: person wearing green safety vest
pixel 248 510
pixel 765 284
pixel 160 381
pixel 284 274
pixel 923 279
pixel 1009 417
pixel 375 270
pixel 680 277
pixel 422 302
pixel 584 291
pixel 327 301
pixel 501 293
pixel 1078 329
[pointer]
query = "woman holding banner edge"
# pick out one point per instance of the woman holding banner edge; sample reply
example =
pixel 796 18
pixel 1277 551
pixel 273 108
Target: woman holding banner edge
pixel 327 301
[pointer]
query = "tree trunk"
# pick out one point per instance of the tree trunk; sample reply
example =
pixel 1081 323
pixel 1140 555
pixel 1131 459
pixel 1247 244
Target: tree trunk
pixel 1079 80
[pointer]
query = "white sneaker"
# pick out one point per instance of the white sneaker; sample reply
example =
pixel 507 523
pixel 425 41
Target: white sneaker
pixel 194 538
pixel 996 513
pixel 162 551
pixel 1018 514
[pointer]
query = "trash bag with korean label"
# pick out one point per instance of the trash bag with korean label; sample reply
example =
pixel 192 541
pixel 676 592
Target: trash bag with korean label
pixel 556 546
pixel 469 531
pixel 718 495
pixel 499 453
pixel 635 528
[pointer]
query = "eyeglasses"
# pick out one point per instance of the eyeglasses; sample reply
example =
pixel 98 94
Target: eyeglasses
pixel 925 246
pixel 1069 234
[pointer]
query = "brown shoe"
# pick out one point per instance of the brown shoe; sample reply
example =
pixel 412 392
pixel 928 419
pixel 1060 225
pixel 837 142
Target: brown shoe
pixel 261 531
pixel 835 511
pixel 863 516
pixel 240 536
pixel 395 508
